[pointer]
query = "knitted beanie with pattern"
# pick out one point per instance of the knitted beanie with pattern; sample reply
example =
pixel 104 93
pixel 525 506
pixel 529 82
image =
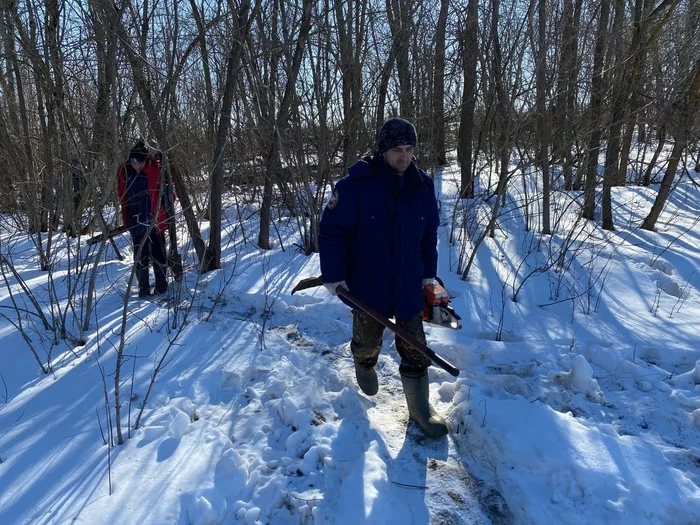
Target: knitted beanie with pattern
pixel 396 132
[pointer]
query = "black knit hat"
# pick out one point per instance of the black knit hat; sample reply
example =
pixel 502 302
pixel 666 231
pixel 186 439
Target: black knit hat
pixel 139 152
pixel 396 132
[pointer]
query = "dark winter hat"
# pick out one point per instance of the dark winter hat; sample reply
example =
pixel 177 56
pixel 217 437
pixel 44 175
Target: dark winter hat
pixel 139 152
pixel 396 132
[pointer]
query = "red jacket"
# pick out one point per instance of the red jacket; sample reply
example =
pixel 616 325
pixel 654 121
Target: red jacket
pixel 153 184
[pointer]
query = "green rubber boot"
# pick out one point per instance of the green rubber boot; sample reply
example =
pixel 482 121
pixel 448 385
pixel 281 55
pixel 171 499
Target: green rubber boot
pixel 416 391
pixel 366 378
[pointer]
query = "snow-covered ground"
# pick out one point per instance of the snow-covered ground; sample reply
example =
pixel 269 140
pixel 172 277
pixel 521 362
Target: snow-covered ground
pixel 577 403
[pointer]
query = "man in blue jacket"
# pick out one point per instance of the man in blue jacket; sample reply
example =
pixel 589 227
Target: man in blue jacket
pixel 378 239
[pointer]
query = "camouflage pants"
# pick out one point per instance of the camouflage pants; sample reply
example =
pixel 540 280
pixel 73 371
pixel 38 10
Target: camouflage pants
pixel 367 342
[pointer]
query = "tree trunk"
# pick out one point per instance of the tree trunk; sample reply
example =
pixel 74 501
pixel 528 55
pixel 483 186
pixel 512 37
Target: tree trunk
pixel 351 18
pixel 565 105
pixel 212 254
pixel 542 124
pixel 206 70
pixel 438 147
pixel 502 118
pixel 598 89
pixel 104 119
pixel 400 16
pixel 27 159
pixel 611 176
pixel 612 152
pixel 661 137
pixel 684 120
pixel 470 51
pixel 384 78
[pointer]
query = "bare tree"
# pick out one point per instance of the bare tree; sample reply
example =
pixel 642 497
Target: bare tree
pixel 542 124
pixel 437 147
pixel 351 23
pixel 241 21
pixel 595 110
pixel 627 67
pixel 32 190
pixel 400 17
pixel 470 50
pixel 384 78
pixel 281 121
pixel 503 116
pixel 686 109
pixel 566 94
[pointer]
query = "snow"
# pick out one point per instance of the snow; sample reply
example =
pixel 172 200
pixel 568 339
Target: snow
pixel 577 403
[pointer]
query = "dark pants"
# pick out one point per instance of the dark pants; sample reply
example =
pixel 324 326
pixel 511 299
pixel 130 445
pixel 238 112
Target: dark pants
pixel 367 342
pixel 153 251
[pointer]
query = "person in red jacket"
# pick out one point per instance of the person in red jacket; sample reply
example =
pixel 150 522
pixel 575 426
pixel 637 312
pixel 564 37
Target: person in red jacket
pixel 139 190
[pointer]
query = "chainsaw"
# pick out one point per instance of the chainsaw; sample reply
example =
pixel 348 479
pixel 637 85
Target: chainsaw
pixel 437 309
pixel 400 332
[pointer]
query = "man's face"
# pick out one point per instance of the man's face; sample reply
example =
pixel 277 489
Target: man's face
pixel 399 158
pixel 138 166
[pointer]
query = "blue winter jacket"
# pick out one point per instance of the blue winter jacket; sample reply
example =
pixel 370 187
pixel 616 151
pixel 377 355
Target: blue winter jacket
pixel 378 233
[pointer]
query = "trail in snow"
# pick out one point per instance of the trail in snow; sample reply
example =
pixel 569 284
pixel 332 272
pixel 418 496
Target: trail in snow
pixel 307 445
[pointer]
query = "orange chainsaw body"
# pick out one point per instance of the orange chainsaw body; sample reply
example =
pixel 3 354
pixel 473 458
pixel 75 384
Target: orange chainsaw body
pixel 437 309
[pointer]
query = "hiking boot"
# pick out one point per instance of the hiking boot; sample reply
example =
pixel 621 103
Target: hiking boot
pixel 366 378
pixel 416 391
